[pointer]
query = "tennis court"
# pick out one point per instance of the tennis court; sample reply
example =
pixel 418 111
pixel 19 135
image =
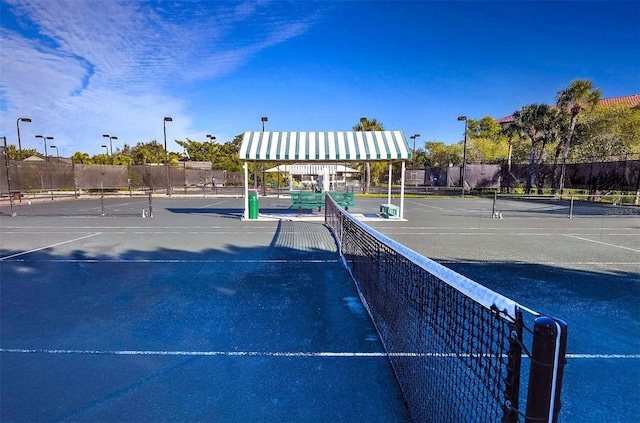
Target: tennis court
pixel 584 270
pixel 197 315
pixel 191 315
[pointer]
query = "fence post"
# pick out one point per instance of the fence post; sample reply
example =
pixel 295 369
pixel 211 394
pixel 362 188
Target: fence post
pixel 547 365
pixel 150 205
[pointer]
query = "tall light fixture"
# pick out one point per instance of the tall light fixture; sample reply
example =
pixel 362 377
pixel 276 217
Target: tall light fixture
pixel 166 161
pixel 46 157
pixel 413 153
pixel 57 153
pixel 18 127
pixel 110 145
pixel 464 152
pixel 106 149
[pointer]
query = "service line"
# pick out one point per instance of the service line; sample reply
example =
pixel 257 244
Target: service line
pixel 49 246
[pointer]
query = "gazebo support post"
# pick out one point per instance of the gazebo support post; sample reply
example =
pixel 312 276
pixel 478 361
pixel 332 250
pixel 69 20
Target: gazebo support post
pixel 246 190
pixel 389 185
pixel 402 192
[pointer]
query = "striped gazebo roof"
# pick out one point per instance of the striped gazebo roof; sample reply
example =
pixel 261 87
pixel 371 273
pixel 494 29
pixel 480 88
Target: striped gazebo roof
pixel 325 146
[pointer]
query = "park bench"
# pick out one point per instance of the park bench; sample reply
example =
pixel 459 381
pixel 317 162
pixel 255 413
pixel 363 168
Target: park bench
pixel 304 199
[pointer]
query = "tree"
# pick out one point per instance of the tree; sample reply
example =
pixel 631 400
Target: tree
pixel 102 159
pixel 579 93
pixel 486 142
pixel 368 125
pixel 148 152
pixel 512 134
pixel 227 157
pixel 439 155
pixel 537 122
pixel 121 159
pixel 199 151
pixel 81 158
pixel 607 133
pixel 12 152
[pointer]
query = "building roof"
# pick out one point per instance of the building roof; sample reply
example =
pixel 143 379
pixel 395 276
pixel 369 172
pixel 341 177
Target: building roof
pixel 632 100
pixel 324 146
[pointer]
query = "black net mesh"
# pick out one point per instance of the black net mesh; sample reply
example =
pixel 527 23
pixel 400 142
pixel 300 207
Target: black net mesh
pixel 454 358
pixel 89 204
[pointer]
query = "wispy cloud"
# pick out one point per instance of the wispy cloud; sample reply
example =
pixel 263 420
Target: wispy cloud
pixel 77 67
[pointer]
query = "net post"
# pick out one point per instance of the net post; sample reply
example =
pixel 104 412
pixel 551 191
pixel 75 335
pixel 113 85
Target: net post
pixel 101 201
pixel 150 205
pixel 571 208
pixel 495 199
pixel 547 366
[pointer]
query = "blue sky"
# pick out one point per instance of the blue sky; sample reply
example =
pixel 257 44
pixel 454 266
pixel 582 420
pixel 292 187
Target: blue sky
pixel 80 69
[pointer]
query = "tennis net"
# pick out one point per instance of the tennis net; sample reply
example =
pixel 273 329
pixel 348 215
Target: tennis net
pixel 98 203
pixel 455 346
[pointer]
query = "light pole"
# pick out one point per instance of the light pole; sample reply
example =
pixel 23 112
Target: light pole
pixel 264 186
pixel 18 127
pixel 413 153
pixel 106 149
pixel 464 151
pixel 57 153
pixel 213 186
pixel 111 145
pixel 46 157
pixel 5 152
pixel 166 161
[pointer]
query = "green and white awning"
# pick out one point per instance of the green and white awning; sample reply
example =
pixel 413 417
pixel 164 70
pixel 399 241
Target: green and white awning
pixel 325 146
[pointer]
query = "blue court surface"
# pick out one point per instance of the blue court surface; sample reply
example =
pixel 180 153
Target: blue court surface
pixel 196 315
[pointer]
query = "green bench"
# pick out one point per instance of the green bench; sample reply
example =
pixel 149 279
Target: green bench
pixel 304 199
pixel 389 211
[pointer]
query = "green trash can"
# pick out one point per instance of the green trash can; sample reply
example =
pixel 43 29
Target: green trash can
pixel 253 204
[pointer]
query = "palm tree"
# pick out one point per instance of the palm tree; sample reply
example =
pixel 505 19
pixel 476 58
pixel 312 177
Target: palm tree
pixel 512 133
pixel 368 125
pixel 535 121
pixel 579 93
pixel 81 158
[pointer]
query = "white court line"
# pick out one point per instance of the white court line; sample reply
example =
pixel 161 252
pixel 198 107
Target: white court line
pixel 182 261
pixel 48 246
pixel 421 205
pixel 283 353
pixel 603 356
pixel 550 263
pixel 213 204
pixel 600 242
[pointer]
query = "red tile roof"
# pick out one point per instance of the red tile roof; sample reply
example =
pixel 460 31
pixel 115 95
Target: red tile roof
pixel 632 100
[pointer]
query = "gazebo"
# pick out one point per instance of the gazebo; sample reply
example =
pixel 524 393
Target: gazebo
pixel 325 147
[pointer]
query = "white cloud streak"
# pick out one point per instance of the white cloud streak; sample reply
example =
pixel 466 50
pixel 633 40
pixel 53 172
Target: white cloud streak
pixel 81 67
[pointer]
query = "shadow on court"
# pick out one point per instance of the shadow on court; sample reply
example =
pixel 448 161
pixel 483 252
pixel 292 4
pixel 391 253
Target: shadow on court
pixel 228 334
